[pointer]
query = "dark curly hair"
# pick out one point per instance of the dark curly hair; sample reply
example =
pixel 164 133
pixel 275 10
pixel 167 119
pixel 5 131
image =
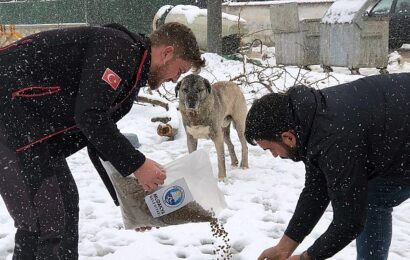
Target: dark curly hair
pixel 268 118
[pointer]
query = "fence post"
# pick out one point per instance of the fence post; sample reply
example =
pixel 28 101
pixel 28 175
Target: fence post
pixel 214 24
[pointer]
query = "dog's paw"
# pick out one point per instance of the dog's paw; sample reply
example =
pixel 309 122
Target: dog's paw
pixel 244 166
pixel 221 179
pixel 234 164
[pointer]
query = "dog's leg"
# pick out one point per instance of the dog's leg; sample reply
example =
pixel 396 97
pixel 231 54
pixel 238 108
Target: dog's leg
pixel 192 143
pixel 218 140
pixel 231 148
pixel 240 128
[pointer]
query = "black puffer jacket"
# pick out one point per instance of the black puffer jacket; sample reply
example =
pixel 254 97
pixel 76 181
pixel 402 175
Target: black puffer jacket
pixel 59 93
pixel 347 135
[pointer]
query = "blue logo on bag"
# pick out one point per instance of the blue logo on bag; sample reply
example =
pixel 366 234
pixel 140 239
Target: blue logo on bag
pixel 174 196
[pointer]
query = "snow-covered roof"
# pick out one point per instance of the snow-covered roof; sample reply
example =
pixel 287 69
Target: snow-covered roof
pixel 276 2
pixel 191 12
pixel 343 11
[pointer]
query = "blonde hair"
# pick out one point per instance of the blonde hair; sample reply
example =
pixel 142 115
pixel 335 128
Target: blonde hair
pixel 183 40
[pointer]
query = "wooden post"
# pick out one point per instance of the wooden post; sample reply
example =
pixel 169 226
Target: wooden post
pixel 214 24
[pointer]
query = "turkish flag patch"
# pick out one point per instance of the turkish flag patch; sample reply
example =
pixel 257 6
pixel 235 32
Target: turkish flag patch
pixel 111 78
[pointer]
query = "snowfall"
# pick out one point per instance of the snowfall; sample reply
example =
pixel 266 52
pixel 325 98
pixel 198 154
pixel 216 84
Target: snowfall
pixel 260 200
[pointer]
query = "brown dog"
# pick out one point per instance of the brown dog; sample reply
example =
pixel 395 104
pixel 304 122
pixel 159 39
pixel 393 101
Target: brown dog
pixel 207 112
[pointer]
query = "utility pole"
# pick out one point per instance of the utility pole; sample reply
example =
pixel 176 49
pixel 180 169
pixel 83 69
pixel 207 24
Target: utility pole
pixel 214 24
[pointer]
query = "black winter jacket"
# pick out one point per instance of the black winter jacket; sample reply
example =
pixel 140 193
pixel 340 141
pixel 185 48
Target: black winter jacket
pixel 63 89
pixel 347 135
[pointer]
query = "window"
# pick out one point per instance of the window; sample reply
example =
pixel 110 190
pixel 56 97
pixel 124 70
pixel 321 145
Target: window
pixel 403 6
pixel 382 8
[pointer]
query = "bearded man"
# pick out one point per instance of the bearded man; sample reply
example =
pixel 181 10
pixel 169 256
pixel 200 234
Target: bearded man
pixel 354 140
pixel 62 90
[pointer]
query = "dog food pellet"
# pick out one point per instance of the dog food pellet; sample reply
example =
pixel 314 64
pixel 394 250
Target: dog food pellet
pixel 223 252
pixel 192 212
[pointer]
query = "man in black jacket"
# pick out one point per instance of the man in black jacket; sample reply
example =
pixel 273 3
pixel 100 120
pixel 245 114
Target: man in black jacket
pixel 65 89
pixel 354 140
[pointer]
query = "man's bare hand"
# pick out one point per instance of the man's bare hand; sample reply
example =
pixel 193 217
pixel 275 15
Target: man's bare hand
pixel 298 257
pixel 282 251
pixel 274 253
pixel 150 175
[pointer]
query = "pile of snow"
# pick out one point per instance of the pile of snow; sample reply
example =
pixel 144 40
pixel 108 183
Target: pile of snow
pixel 191 12
pixel 406 46
pixel 343 11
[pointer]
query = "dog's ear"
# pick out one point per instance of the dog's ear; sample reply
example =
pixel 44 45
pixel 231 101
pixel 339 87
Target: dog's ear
pixel 177 87
pixel 207 85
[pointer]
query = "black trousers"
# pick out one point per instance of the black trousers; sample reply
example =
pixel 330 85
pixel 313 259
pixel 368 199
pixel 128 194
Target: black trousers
pixel 42 198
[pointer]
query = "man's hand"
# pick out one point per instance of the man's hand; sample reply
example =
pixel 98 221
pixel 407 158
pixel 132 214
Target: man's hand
pixel 150 175
pixel 303 256
pixel 274 253
pixel 282 251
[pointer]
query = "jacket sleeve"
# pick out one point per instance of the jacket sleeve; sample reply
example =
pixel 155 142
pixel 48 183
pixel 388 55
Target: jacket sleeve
pixel 347 182
pixel 93 112
pixel 311 205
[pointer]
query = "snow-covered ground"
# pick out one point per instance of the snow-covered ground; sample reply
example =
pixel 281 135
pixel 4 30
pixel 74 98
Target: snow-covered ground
pixel 260 199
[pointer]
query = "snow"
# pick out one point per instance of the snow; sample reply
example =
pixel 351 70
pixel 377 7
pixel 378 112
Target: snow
pixel 161 11
pixel 343 11
pixel 191 12
pixel 260 199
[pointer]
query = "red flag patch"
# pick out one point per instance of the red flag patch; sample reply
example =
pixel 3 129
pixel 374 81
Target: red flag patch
pixel 111 78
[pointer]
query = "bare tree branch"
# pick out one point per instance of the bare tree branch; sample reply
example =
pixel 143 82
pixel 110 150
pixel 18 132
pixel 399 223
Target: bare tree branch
pixel 154 102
